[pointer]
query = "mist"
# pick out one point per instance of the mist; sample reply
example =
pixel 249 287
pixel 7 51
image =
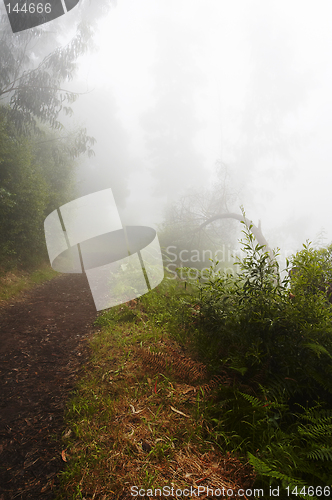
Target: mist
pixel 174 88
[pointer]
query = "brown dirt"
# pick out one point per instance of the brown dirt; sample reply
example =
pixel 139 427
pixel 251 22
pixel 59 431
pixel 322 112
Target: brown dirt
pixel 43 344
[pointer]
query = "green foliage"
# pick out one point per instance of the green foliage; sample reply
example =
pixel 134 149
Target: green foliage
pixel 36 153
pixel 311 273
pixel 272 336
pixel 37 64
pixel 300 454
pixel 269 339
pixel 34 180
pixel 170 305
pixel 252 325
pixel 14 282
pixel 286 448
pixel 34 69
pixel 53 159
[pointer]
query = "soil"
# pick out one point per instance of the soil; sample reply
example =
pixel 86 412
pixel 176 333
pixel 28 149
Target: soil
pixel 43 345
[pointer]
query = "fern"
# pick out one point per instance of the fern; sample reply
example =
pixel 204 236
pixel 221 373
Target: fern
pixel 264 469
pixel 276 349
pixel 316 413
pixel 255 402
pixel 317 349
pixel 316 431
pixel 322 453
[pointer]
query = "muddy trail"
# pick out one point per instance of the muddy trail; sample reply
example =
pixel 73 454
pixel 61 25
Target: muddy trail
pixel 43 344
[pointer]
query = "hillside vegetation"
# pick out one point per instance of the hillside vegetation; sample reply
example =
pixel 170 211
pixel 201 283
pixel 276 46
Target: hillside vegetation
pixel 222 382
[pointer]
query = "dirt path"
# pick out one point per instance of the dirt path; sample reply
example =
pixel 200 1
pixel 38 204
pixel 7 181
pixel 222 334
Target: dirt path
pixel 42 347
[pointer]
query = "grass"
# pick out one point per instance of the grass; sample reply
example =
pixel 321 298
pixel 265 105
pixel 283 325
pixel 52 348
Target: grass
pixel 149 414
pixel 14 282
pixel 136 418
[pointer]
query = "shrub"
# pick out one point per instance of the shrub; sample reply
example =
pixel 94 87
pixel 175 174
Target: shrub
pixel 267 328
pixel 273 337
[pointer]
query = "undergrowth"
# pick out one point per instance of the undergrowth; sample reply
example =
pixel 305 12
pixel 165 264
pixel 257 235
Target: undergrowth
pixel 131 425
pixel 274 336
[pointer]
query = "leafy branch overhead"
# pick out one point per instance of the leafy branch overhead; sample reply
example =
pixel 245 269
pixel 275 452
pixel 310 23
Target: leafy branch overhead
pixel 34 72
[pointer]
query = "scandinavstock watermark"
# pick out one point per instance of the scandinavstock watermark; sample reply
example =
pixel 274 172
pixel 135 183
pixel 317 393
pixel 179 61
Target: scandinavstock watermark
pixel 178 260
pixel 26 14
pixel 193 263
pixel 86 236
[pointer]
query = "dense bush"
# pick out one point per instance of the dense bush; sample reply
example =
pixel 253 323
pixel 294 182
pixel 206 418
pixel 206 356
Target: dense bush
pixel 273 338
pixel 268 337
pixel 261 325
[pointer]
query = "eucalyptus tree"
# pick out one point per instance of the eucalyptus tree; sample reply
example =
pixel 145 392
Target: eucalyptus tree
pixel 36 66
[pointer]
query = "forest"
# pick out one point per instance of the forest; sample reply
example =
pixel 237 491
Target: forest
pixel 221 376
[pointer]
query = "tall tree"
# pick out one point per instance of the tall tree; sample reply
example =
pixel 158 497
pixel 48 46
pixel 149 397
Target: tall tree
pixel 35 67
pixel 36 153
pixel 35 178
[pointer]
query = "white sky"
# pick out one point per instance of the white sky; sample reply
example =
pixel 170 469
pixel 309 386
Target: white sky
pixel 284 194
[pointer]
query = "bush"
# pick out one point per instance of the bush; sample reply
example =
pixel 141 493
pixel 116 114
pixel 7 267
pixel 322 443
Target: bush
pixel 34 180
pixel 267 328
pixel 273 338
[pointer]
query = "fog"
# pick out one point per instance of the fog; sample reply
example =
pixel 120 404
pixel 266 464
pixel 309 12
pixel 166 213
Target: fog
pixel 176 86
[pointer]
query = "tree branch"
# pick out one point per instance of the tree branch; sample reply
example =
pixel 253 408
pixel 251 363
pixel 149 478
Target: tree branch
pixel 257 232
